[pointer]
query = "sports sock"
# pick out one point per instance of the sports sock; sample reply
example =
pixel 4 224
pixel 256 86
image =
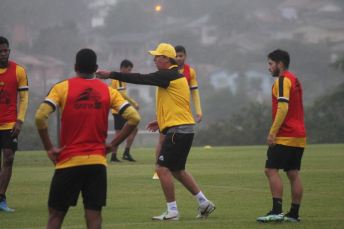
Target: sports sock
pixel 294 210
pixel 126 151
pixel 172 207
pixel 276 205
pixel 202 200
pixel 2 197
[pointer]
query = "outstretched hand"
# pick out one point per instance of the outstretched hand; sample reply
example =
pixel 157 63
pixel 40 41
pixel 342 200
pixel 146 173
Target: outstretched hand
pixel 103 74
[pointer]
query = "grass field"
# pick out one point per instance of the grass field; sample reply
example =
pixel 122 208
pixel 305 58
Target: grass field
pixel 232 177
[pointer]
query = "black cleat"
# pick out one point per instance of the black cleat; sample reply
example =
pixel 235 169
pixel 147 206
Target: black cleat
pixel 128 158
pixel 114 158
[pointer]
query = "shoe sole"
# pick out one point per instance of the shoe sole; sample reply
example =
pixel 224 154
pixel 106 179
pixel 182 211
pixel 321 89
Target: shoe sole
pixel 271 221
pixel 206 215
pixel 6 210
pixel 126 159
pixel 170 219
pixel 291 221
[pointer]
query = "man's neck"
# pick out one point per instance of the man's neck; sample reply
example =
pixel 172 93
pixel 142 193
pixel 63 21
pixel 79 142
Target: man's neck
pixel 4 65
pixel 282 72
pixel 85 76
pixel 166 66
pixel 181 66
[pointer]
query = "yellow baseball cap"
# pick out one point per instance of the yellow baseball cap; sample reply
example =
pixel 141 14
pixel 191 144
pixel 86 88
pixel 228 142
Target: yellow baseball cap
pixel 164 50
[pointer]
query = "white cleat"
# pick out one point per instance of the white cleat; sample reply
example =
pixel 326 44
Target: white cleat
pixel 167 215
pixel 204 212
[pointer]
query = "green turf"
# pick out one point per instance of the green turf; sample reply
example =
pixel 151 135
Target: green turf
pixel 232 177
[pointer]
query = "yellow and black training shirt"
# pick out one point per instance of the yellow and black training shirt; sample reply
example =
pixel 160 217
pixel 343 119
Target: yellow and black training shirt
pixel 172 98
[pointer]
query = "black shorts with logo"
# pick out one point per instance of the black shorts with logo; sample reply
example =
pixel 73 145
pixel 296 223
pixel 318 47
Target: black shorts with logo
pixel 175 150
pixel 119 121
pixel 68 182
pixel 284 157
pixel 7 141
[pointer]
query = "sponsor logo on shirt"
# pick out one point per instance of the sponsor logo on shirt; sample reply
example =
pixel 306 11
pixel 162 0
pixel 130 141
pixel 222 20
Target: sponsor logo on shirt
pixel 88 99
pixel 4 97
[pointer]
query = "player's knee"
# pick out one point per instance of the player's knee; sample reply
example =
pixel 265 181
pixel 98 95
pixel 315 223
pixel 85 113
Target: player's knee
pixel 136 130
pixel 292 174
pixel 8 161
pixel 178 174
pixel 270 172
pixel 266 171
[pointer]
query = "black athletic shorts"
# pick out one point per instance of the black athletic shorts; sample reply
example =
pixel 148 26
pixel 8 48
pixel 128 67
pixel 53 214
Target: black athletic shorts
pixel 7 141
pixel 284 157
pixel 68 182
pixel 175 150
pixel 119 121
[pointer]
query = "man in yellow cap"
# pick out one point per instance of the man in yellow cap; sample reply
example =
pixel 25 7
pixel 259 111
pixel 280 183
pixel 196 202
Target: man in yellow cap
pixel 175 120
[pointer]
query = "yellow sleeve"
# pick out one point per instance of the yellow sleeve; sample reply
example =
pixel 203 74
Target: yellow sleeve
pixel 23 100
pixel 21 79
pixel 282 94
pixel 114 84
pixel 117 101
pixel 194 91
pixel 42 115
pixel 126 96
pixel 23 89
pixel 58 95
pixel 131 115
pixel 196 101
pixel 282 111
pixel 193 81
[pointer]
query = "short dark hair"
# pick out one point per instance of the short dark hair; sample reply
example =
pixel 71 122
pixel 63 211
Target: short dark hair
pixel 173 61
pixel 180 48
pixel 280 55
pixel 3 40
pixel 126 63
pixel 86 61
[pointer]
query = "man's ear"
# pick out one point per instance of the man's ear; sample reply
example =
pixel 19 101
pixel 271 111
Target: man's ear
pixel 96 68
pixel 280 64
pixel 75 68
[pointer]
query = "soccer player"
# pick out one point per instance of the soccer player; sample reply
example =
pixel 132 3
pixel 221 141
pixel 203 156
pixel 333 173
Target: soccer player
pixel 190 75
pixel 125 67
pixel 13 80
pixel 80 164
pixel 174 118
pixel 287 138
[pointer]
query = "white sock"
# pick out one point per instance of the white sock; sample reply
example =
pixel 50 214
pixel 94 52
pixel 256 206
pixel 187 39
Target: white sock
pixel 172 207
pixel 202 200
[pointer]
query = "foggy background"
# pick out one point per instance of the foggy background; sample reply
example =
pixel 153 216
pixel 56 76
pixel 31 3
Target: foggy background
pixel 227 43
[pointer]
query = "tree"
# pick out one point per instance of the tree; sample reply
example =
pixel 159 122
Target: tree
pixel 339 64
pixel 324 120
pixel 247 126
